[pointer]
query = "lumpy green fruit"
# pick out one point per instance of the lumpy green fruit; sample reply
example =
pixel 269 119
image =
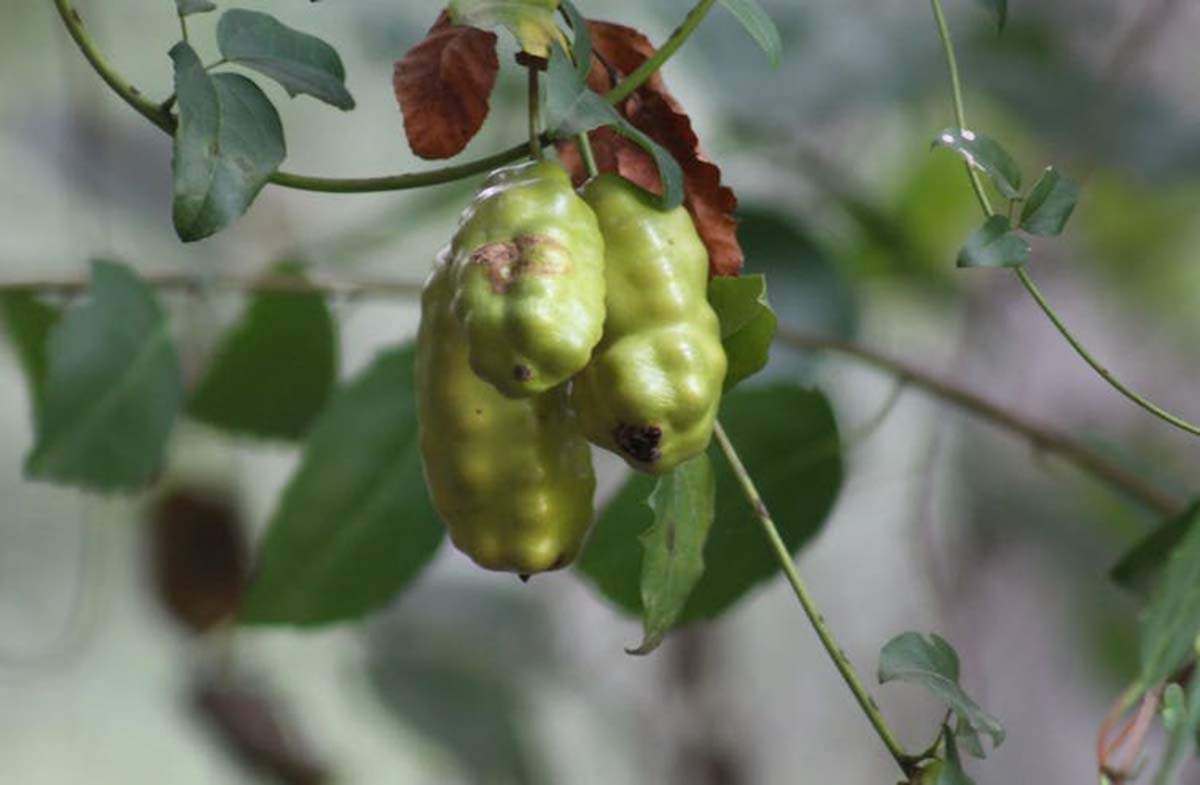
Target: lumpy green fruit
pixel 528 269
pixel 651 392
pixel 511 478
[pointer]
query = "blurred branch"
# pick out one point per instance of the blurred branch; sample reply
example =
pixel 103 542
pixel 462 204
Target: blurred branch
pixel 1041 436
pixel 1021 273
pixel 160 115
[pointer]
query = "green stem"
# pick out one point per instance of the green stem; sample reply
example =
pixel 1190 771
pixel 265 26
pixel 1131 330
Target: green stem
pixel 960 116
pixel 1100 369
pixel 183 27
pixel 585 150
pixel 840 661
pixel 160 116
pixel 669 47
pixel 535 131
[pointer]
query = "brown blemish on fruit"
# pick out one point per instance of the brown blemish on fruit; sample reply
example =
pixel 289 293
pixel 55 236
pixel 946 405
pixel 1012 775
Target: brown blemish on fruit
pixel 507 261
pixel 639 442
pixel 522 373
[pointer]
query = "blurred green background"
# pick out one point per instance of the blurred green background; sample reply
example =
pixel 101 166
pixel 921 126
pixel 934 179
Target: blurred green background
pixel 943 524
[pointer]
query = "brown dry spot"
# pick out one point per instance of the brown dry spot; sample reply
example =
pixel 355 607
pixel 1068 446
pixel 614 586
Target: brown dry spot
pixel 640 442
pixel 530 254
pixel 522 373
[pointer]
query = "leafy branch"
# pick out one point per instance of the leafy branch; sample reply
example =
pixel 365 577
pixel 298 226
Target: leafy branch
pixel 1021 273
pixel 162 117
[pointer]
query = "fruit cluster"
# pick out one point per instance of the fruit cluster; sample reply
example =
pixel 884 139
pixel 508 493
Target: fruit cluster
pixel 554 319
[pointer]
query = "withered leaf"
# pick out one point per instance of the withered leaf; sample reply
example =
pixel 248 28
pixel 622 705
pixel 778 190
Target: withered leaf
pixel 618 50
pixel 443 85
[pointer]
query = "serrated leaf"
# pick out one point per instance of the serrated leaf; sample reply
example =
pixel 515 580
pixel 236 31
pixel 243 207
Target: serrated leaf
pixel 759 25
pixel 300 62
pixel 228 143
pixel 354 524
pixel 273 371
pixel 1050 204
pixel 531 22
pixel 932 663
pixel 673 560
pixel 985 154
pixel 747 323
pixel 999 9
pixel 189 7
pixel 28 322
pixel 1172 620
pixel 788 439
pixel 572 108
pixel 1140 562
pixel 112 388
pixel 994 244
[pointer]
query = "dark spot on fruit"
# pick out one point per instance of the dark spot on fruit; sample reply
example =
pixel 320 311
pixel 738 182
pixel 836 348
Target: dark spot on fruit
pixel 639 442
pixel 524 577
pixel 479 412
pixel 522 373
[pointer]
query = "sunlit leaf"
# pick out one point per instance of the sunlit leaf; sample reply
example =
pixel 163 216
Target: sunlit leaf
pixel 301 63
pixel 985 154
pixel 113 388
pixel 531 22
pixel 994 244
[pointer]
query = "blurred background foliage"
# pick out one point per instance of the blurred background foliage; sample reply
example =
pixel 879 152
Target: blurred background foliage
pixel 943 523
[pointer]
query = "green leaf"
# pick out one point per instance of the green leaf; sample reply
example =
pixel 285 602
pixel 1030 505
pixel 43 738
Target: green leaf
pixel 788 439
pixel 759 25
pixel 572 108
pixel 985 154
pixel 1050 204
pixel 530 21
pixel 999 9
pixel 952 768
pixel 994 244
pixel 29 321
pixel 301 63
pixel 933 663
pixel 1181 720
pixel 673 561
pixel 112 388
pixel 274 370
pixel 747 323
pixel 189 7
pixel 355 524
pixel 1140 562
pixel 1172 620
pixel 228 143
pixel 581 47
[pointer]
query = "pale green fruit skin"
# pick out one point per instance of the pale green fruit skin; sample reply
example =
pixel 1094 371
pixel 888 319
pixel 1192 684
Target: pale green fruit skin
pixel 652 389
pixel 511 478
pixel 528 268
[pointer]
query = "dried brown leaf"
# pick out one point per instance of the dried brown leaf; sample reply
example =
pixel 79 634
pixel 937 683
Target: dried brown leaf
pixel 619 50
pixel 443 85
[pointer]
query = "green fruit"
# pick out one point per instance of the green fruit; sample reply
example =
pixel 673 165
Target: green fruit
pixel 528 269
pixel 651 391
pixel 511 478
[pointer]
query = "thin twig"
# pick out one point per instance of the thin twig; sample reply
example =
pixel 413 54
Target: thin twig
pixel 1021 273
pixel 815 618
pixel 161 117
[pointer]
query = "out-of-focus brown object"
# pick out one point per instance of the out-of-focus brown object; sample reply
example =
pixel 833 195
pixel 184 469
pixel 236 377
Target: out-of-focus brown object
pixel 199 555
pixel 256 731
